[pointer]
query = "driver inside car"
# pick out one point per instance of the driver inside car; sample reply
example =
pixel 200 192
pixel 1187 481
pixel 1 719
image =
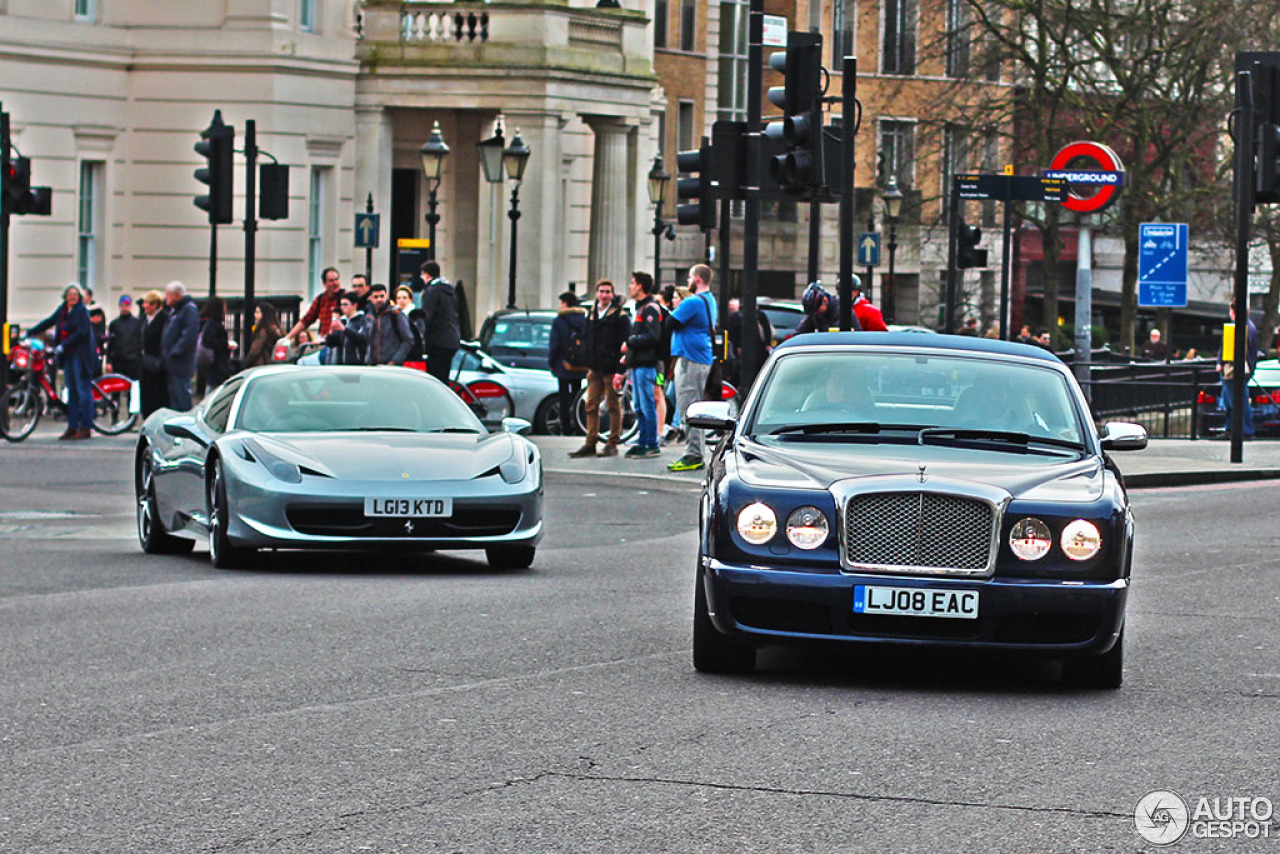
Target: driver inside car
pixel 845 395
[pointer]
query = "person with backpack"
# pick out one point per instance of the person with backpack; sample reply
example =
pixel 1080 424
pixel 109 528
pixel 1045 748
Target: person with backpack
pixel 567 356
pixel 642 353
pixel 389 337
pixel 692 343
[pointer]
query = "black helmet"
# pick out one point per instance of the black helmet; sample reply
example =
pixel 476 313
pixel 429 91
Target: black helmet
pixel 812 298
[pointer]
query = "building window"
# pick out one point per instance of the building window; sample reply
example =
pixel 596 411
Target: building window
pixel 317 210
pixel 958 36
pixel 660 13
pixel 307 15
pixel 86 10
pixel 898 49
pixel 842 20
pixel 731 98
pixel 897 152
pixel 688 25
pixel 90 221
pixel 684 127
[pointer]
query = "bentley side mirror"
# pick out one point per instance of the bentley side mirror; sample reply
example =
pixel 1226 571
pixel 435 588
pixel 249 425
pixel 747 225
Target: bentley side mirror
pixel 1123 436
pixel 710 415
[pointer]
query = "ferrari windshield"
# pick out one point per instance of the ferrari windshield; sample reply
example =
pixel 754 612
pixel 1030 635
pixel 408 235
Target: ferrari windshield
pixel 857 392
pixel 317 400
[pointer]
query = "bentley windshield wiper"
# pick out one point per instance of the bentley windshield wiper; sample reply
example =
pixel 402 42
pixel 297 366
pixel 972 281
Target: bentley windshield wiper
pixel 870 427
pixel 1007 436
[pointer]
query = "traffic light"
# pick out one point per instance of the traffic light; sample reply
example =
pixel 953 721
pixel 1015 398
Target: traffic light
pixel 701 212
pixel 273 191
pixel 1267 165
pixel 799 167
pixel 19 196
pixel 217 146
pixel 968 254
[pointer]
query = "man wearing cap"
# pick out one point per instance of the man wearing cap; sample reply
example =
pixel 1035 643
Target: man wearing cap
pixel 124 342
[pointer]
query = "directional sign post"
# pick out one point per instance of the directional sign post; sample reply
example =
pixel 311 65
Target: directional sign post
pixel 367 231
pixel 869 249
pixel 1162 264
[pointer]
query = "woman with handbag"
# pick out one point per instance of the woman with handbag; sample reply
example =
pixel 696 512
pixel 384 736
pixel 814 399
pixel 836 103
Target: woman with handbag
pixel 154 384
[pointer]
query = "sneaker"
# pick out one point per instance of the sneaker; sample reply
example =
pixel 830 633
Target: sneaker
pixel 584 451
pixel 635 453
pixel 650 452
pixel 609 450
pixel 686 463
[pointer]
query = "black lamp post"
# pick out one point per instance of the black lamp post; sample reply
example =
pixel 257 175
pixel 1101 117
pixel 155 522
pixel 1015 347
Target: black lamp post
pixel 658 180
pixel 514 158
pixel 892 198
pixel 433 154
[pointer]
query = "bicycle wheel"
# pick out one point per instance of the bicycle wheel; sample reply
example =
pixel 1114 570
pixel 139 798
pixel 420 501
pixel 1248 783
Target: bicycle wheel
pixel 23 405
pixel 630 426
pixel 112 404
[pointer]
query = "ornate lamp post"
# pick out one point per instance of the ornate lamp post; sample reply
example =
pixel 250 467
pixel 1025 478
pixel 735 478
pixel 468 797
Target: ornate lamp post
pixel 514 159
pixel 433 153
pixel 658 180
pixel 892 198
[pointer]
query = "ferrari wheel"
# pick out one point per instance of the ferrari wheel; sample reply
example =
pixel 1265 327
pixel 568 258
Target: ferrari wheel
pixel 151 533
pixel 1097 671
pixel 510 557
pixel 222 552
pixel 714 652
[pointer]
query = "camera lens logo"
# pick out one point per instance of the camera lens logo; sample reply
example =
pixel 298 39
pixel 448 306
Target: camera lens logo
pixel 1161 817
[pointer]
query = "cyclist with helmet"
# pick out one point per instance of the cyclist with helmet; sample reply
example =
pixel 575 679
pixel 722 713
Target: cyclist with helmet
pixel 822 310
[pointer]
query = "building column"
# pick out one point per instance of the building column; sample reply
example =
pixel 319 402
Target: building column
pixel 541 261
pixel 375 152
pixel 610 251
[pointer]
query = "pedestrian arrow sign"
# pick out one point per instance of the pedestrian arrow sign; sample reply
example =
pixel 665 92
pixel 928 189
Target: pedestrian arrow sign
pixel 366 231
pixel 869 249
pixel 1162 264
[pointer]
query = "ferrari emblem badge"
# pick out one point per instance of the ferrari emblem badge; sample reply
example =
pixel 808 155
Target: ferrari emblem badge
pixel 405 475
pixel 408 526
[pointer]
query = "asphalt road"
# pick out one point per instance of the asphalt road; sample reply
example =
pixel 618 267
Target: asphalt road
pixel 358 703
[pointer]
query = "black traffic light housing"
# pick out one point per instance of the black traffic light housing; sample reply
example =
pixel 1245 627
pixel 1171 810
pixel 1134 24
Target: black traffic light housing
pixel 967 253
pixel 700 189
pixel 273 191
pixel 217 146
pixel 799 167
pixel 19 196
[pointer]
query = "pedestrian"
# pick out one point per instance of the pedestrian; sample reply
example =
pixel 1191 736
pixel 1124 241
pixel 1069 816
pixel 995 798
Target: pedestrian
pixel 970 327
pixel 1156 350
pixel 1024 335
pixel 265 333
pixel 607 329
pixel 821 310
pixel 567 356
pixel 993 332
pixel 692 342
pixel 642 352
pixel 360 292
pixel 417 326
pixel 349 339
pixel 442 335
pixel 181 331
pixel 733 328
pixel 213 352
pixel 74 352
pixel 154 391
pixel 98 326
pixel 322 307
pixel 1045 340
pixel 124 342
pixel 389 337
pixel 1226 367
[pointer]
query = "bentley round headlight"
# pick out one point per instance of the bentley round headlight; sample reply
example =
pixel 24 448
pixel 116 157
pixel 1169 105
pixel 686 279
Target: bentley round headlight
pixel 1030 539
pixel 1081 540
pixel 807 527
pixel 757 523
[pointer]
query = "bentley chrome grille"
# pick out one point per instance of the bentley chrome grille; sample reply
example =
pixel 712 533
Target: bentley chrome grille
pixel 920 532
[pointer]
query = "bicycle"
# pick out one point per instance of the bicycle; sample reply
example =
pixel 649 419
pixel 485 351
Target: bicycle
pixel 26 401
pixel 630 426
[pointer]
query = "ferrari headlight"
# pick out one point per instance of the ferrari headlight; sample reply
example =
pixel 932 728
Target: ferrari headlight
pixel 1081 540
pixel 514 469
pixel 757 523
pixel 807 527
pixel 1030 539
pixel 280 469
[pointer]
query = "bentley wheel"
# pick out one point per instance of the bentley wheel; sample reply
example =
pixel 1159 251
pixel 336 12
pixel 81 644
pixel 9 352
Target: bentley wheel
pixel 510 557
pixel 1097 671
pixel 714 652
pixel 223 553
pixel 151 533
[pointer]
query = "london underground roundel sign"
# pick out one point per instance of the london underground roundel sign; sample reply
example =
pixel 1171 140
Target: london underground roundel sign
pixel 1105 172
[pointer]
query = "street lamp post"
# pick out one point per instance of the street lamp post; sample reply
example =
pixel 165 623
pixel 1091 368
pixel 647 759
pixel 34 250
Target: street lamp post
pixel 658 180
pixel 433 153
pixel 514 159
pixel 892 199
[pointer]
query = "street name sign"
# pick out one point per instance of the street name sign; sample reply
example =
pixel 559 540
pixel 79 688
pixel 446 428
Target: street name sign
pixel 1162 264
pixel 1013 188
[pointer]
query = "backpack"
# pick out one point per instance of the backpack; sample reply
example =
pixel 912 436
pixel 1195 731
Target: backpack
pixel 664 339
pixel 575 349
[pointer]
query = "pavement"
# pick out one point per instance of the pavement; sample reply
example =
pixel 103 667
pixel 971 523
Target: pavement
pixel 1165 462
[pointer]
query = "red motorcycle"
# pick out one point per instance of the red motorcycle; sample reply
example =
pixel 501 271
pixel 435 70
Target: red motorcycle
pixel 115 396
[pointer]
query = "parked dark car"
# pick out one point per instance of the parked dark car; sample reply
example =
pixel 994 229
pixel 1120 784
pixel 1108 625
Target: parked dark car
pixel 1264 397
pixel 518 338
pixel 915 490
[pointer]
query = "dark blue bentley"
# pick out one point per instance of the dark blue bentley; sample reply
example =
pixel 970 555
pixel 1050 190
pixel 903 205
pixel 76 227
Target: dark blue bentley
pixel 888 488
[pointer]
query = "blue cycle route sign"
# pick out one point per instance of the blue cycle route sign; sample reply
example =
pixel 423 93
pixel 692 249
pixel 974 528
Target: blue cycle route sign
pixel 869 249
pixel 1162 264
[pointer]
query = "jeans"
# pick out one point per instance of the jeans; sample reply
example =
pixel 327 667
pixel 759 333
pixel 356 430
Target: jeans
pixel 75 373
pixel 567 392
pixel 690 378
pixel 1248 409
pixel 643 381
pixel 180 393
pixel 601 385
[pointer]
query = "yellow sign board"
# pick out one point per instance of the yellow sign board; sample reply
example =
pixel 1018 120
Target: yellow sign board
pixel 413 243
pixel 1228 342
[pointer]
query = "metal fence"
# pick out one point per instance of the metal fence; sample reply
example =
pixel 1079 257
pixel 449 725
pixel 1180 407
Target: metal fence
pixel 1159 395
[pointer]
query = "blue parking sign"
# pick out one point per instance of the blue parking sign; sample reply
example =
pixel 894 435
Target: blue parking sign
pixel 1162 264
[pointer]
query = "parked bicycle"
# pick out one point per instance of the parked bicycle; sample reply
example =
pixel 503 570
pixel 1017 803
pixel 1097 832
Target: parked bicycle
pixel 32 394
pixel 630 426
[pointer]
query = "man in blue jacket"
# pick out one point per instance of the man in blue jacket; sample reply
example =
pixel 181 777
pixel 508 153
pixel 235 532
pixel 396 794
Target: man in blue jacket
pixel 178 346
pixel 691 343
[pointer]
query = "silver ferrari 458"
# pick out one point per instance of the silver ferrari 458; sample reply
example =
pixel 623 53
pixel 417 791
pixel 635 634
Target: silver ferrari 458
pixel 294 457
